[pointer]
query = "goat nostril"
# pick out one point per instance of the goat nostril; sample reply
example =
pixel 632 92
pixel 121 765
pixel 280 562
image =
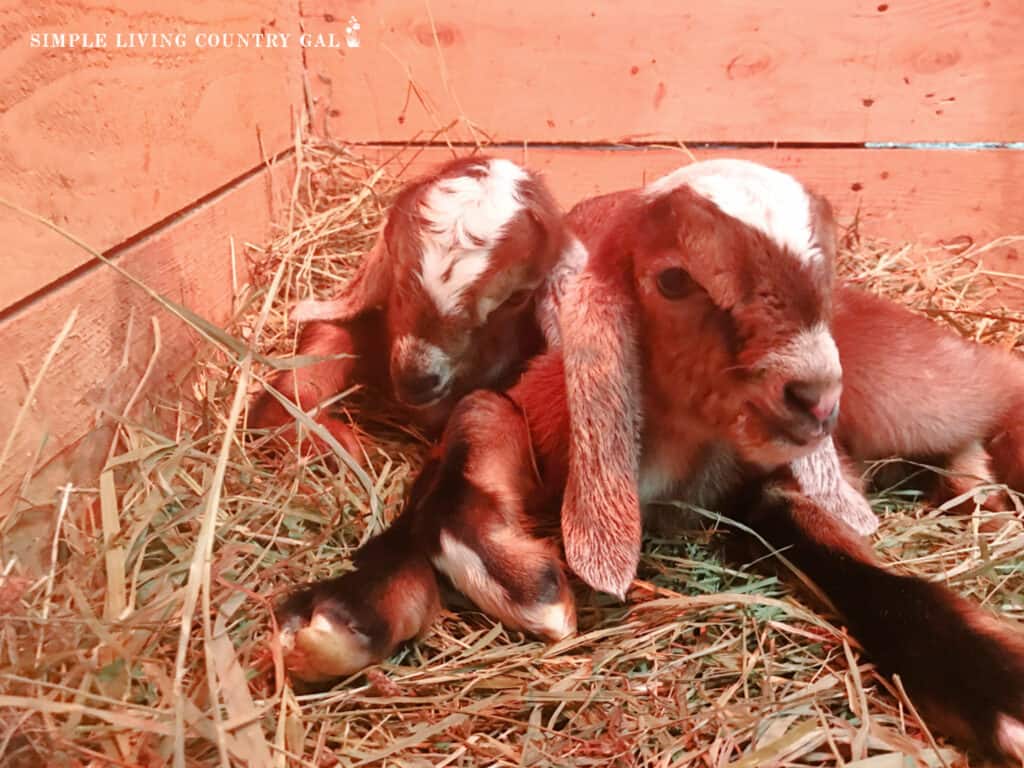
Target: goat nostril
pixel 819 399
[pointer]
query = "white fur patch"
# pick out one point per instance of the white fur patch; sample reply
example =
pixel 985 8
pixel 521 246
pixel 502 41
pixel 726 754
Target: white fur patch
pixel 571 262
pixel 413 353
pixel 465 218
pixel 467 571
pixel 321 623
pixel 811 355
pixel 821 478
pixel 768 200
pixel 1010 736
pixel 469 574
pixel 552 621
pixel 487 305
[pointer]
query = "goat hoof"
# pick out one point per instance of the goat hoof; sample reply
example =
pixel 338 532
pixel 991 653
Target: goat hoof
pixel 514 578
pixel 335 628
pixel 321 640
pixel 1006 702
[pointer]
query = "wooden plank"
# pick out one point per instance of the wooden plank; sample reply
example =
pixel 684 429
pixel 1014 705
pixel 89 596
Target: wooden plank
pixel 109 141
pixel 903 195
pixel 111 342
pixel 732 71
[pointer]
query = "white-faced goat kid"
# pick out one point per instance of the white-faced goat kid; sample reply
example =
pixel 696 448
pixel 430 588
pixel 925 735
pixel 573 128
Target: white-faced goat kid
pixel 447 300
pixel 911 388
pixel 696 364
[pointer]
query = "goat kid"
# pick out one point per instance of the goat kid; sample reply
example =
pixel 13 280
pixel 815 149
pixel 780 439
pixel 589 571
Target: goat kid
pixel 697 364
pixel 449 299
pixel 911 388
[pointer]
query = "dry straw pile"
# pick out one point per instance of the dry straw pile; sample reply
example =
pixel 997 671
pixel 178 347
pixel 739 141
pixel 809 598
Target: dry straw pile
pixel 151 632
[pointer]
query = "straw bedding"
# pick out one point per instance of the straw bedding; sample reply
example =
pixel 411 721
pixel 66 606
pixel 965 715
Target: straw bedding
pixel 151 632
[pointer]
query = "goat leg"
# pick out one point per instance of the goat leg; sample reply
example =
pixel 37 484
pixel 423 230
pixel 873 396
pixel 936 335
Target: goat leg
pixel 963 668
pixel 468 515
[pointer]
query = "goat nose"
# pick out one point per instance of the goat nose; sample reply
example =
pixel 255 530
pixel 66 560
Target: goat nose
pixel 819 399
pixel 419 387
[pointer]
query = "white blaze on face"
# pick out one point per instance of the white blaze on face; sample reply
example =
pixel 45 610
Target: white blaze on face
pixel 811 355
pixel 469 574
pixel 552 621
pixel 464 218
pixel 770 201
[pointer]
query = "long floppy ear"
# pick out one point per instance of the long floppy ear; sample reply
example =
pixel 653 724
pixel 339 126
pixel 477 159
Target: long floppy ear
pixel 368 289
pixel 711 243
pixel 825 234
pixel 601 522
pixel 542 208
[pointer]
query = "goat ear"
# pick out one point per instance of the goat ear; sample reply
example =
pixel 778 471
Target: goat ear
pixel 544 211
pixel 601 522
pixel 368 289
pixel 712 243
pixel 823 225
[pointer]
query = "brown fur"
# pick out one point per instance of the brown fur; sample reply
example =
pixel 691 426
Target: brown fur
pixel 963 668
pixel 386 302
pixel 914 389
pixel 482 479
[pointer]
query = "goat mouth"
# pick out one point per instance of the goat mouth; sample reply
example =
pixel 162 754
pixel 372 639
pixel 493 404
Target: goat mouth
pixel 784 429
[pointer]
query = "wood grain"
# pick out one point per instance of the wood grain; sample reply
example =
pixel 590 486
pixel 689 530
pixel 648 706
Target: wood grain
pixel 927 196
pixel 108 142
pixel 733 71
pixel 111 342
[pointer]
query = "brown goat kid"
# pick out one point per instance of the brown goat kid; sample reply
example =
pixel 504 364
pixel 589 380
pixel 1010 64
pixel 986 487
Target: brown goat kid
pixel 697 363
pixel 449 299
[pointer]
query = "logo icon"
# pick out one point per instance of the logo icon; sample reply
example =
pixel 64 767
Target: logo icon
pixel 352 32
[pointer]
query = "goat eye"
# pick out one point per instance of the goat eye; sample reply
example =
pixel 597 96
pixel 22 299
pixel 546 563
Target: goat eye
pixel 675 283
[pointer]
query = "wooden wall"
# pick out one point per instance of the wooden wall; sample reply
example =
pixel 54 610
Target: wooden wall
pixel 594 87
pixel 156 156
